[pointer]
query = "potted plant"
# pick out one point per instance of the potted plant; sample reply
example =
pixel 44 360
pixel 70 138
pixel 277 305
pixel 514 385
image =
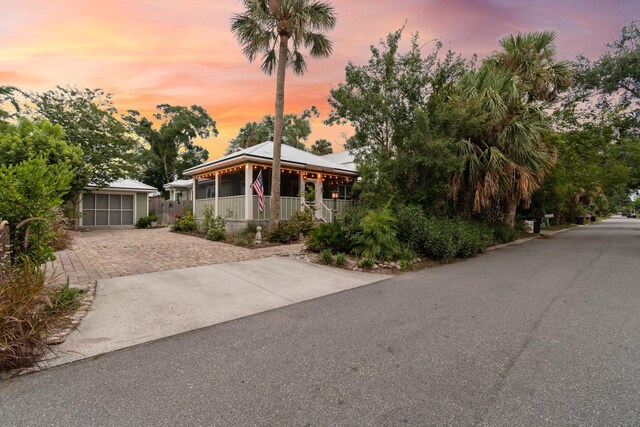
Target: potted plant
pixel 154 219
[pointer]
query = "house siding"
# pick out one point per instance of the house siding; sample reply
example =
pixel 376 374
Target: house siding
pixel 141 205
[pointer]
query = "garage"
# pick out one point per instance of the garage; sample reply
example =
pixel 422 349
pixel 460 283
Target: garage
pixel 121 203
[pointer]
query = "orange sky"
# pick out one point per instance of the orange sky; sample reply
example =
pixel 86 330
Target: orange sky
pixel 181 52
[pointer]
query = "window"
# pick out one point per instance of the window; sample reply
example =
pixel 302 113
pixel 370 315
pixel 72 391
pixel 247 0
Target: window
pixel 107 209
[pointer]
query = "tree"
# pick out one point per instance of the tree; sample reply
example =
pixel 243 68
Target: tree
pixel 170 149
pixel 321 147
pixel 90 121
pixel 401 150
pixel 269 24
pixel 295 131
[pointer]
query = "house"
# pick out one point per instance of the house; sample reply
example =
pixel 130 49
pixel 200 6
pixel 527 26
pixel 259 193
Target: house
pixel 120 203
pixel 230 178
pixel 182 189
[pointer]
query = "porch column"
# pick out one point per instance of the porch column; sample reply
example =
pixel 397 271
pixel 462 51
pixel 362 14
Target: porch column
pixel 217 191
pixel 301 187
pixel 319 197
pixel 248 193
pixel 194 193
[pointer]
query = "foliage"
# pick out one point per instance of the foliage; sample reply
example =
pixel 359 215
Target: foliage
pixel 65 299
pixel 377 238
pixel 186 223
pixel 366 263
pixel 295 131
pixel 400 151
pixel 33 189
pixel 143 222
pixel 322 147
pixel 89 120
pixel 300 222
pixel 207 219
pixel 153 217
pixel 328 236
pixel 25 316
pixel 217 228
pixel 303 220
pixel 244 239
pixel 341 259
pixel 503 233
pixel 265 25
pixel 170 148
pixel 406 264
pixel 61 227
pixel 326 257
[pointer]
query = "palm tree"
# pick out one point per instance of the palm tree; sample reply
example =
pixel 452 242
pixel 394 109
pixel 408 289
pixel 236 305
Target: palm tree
pixel 501 140
pixel 265 28
pixel 321 147
pixel 530 57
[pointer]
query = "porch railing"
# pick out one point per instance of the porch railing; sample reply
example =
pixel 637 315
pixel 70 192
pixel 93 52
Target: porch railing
pixel 288 205
pixel 201 204
pixel 233 204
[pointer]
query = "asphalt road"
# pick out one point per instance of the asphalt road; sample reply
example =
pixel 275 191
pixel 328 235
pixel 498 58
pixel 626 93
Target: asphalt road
pixel 544 333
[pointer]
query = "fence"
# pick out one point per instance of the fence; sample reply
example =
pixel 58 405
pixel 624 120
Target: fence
pixel 167 209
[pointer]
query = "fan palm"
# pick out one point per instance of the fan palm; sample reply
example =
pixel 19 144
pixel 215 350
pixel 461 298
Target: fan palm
pixel 321 147
pixel 265 28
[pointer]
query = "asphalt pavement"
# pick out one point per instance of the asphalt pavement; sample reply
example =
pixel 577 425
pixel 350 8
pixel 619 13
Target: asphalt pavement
pixel 543 333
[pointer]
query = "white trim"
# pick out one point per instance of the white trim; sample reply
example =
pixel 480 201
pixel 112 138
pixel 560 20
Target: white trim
pixel 217 192
pixel 248 192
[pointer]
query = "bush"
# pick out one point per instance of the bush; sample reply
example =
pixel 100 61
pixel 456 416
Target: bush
pixel 366 263
pixel 245 239
pixel 503 233
pixel 143 222
pixel 303 220
pixel 377 238
pixel 186 223
pixel 328 236
pixel 406 264
pixel 326 257
pixel 446 239
pixel 25 316
pixel 207 219
pixel 341 260
pixel 65 298
pixel 153 217
pixel 216 228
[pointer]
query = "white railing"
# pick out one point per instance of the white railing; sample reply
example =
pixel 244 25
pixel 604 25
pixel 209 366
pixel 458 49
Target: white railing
pixel 326 214
pixel 341 204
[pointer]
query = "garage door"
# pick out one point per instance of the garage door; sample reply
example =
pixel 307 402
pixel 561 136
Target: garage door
pixel 107 209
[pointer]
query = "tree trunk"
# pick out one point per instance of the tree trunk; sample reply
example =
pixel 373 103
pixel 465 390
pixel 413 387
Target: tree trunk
pixel 274 215
pixel 511 212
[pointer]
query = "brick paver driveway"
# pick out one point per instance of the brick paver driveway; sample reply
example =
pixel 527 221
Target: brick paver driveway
pixel 105 253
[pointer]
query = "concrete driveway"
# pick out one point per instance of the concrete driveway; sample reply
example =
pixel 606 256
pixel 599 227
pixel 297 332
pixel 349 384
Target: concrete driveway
pixel 139 308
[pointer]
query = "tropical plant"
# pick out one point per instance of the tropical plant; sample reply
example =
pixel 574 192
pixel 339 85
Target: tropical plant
pixel 328 236
pixel 326 257
pixel 377 238
pixel 321 147
pixel 186 223
pixel 265 28
pixel 341 259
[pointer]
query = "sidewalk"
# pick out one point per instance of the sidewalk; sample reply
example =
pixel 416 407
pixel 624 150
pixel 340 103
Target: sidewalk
pixel 136 309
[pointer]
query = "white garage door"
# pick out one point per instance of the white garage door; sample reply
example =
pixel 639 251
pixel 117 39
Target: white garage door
pixel 107 209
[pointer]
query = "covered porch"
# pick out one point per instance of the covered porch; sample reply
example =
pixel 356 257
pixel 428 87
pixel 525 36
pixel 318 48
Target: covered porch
pixel 232 196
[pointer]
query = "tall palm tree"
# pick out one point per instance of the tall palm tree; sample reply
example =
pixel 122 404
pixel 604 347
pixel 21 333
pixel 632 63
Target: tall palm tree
pixel 265 28
pixel 321 147
pixel 501 139
pixel 530 58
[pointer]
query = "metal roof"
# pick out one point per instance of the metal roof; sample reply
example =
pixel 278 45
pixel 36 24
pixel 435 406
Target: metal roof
pixel 264 151
pixel 179 183
pixel 126 184
pixel 341 157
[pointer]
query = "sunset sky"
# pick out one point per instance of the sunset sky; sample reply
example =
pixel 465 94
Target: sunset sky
pixel 181 52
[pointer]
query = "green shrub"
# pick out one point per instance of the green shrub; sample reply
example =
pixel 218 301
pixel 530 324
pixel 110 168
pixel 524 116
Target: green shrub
pixel 186 223
pixel 445 239
pixel 153 217
pixel 406 264
pixel 328 236
pixel 377 238
pixel 216 228
pixel 303 220
pixel 503 233
pixel 326 257
pixel 366 263
pixel 245 240
pixel 143 222
pixel 350 221
pixel 341 260
pixel 285 232
pixel 207 220
pixel 411 224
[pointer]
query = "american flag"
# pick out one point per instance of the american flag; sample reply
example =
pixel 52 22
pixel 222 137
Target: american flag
pixel 259 188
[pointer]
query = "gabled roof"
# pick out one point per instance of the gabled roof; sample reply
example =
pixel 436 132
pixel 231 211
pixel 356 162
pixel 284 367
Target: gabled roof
pixel 125 184
pixel 289 155
pixel 179 183
pixel 341 157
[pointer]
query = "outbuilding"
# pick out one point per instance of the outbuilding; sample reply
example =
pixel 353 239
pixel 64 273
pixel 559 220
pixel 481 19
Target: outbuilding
pixel 121 203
